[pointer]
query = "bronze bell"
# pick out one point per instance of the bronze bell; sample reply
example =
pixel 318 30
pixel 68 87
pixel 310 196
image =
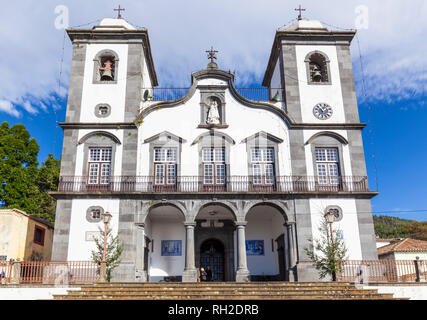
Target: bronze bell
pixel 276 97
pixel 107 75
pixel 317 76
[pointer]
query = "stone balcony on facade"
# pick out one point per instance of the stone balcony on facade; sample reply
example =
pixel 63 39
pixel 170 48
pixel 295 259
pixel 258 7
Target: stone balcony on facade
pixel 232 184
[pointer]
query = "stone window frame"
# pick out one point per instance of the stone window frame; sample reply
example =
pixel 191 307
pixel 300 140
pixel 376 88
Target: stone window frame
pixel 205 95
pixel 96 66
pixel 340 212
pixel 99 140
pixel 165 140
pixel 327 141
pixel 98 115
pixel 214 139
pixel 269 141
pixel 89 217
pixel 307 61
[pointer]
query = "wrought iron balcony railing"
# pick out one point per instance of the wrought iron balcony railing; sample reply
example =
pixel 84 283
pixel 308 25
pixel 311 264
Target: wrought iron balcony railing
pixel 194 184
pixel 170 94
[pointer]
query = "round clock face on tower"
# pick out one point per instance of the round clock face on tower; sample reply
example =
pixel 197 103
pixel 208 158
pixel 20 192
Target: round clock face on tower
pixel 322 111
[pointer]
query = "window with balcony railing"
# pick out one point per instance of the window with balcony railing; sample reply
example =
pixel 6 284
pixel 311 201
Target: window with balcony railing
pixel 262 163
pixel 214 168
pixel 327 164
pixel 165 168
pixel 99 166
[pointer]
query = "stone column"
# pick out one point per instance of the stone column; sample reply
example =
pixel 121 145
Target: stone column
pixel 292 250
pixel 190 271
pixel 242 273
pixel 286 251
pixel 141 273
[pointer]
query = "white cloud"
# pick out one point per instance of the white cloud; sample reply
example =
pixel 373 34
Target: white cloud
pixel 29 108
pixel 43 106
pixel 181 31
pixel 9 108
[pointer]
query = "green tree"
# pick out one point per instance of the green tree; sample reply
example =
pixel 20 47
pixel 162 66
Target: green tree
pixel 18 168
pixel 23 185
pixel 390 227
pixel 114 249
pixel 47 180
pixel 417 230
pixel 326 255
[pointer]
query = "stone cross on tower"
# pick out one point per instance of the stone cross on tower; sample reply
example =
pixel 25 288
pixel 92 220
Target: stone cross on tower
pixel 212 56
pixel 300 10
pixel 119 16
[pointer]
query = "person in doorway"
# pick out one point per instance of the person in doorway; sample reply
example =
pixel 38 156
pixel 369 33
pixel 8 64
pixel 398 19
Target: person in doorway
pixel 208 273
pixel 203 274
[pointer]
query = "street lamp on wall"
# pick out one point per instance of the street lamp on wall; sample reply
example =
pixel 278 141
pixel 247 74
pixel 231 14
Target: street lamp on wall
pixel 330 218
pixel 106 217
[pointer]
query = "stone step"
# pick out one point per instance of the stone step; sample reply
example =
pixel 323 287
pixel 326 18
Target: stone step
pixel 229 297
pixel 209 284
pixel 223 291
pixel 166 286
pixel 234 291
pixel 226 288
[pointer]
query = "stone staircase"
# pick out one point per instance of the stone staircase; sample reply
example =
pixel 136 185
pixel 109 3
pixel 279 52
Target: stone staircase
pixel 223 291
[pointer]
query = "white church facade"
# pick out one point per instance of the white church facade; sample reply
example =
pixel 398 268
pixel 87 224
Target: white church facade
pixel 212 177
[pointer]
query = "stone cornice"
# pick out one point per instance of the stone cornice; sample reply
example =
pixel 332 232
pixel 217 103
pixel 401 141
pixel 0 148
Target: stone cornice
pixel 97 125
pixel 330 126
pixel 133 125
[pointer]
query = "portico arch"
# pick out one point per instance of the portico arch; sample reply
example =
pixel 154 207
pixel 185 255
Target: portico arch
pixel 268 240
pixel 227 209
pixel 281 207
pixel 164 241
pixel 172 203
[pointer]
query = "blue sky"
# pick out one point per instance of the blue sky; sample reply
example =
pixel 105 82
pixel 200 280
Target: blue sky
pixel 393 50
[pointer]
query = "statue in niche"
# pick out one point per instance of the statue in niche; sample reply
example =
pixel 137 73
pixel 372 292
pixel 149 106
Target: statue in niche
pixel 213 114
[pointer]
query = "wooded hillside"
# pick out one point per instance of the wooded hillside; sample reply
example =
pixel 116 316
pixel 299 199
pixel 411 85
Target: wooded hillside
pixel 392 227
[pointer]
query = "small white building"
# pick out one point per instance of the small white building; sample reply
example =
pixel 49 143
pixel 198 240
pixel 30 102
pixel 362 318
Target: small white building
pixel 237 179
pixel 404 249
pixel 383 242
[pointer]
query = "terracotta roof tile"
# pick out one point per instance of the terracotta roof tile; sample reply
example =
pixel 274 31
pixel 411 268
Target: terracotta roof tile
pixel 388 240
pixel 405 245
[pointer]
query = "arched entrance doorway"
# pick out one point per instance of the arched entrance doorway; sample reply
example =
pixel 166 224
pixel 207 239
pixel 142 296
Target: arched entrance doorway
pixel 212 253
pixel 215 228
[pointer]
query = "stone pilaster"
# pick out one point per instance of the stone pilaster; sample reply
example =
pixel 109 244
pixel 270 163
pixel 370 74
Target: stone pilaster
pixel 140 272
pixel 126 270
pixel 292 250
